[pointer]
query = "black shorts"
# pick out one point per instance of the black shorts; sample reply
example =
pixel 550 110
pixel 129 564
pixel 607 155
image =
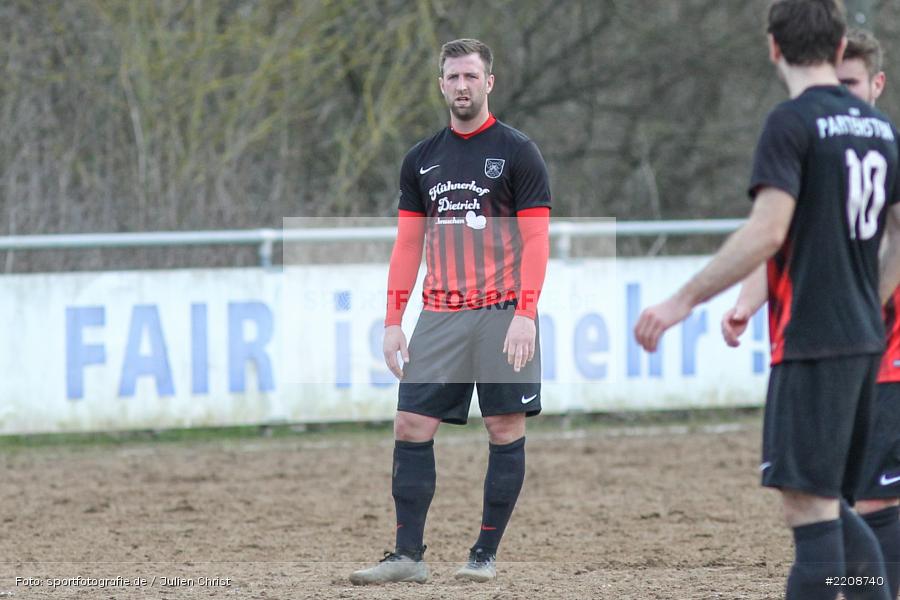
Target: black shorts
pixel 450 353
pixel 818 419
pixel 881 466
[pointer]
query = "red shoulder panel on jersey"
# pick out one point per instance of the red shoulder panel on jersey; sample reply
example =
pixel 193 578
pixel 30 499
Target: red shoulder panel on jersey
pixel 890 362
pixel 781 297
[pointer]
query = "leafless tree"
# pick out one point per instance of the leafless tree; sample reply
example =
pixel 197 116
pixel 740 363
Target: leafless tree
pixel 136 115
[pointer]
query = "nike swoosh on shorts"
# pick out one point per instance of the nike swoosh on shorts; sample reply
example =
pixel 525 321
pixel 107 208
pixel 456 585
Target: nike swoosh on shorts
pixel 885 480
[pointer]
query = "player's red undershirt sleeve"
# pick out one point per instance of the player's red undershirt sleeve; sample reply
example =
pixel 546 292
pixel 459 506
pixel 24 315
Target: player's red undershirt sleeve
pixel 534 227
pixel 405 261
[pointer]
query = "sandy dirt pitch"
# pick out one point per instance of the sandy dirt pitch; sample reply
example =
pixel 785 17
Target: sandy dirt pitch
pixel 620 513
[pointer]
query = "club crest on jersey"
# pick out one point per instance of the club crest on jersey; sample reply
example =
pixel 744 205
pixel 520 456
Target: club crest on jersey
pixel 493 167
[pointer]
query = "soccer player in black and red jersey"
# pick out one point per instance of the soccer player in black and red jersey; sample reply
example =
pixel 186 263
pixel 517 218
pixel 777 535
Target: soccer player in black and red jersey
pixel 877 501
pixel 476 195
pixel 824 182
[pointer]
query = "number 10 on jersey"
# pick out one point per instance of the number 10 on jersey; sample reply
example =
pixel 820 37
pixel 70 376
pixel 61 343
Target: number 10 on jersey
pixel 865 196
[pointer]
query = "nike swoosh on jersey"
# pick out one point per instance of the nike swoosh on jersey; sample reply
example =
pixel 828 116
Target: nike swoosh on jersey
pixel 885 480
pixel 423 171
pixel 529 399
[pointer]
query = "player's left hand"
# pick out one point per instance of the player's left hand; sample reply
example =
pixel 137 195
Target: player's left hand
pixel 519 343
pixel 655 320
pixel 734 323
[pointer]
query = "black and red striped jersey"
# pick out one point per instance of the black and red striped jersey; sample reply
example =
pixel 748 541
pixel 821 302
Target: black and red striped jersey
pixel 889 371
pixel 837 157
pixel 471 187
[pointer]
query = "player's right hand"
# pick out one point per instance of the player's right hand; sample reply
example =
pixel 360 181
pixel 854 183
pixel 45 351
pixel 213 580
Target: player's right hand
pixel 734 323
pixel 394 342
pixel 655 320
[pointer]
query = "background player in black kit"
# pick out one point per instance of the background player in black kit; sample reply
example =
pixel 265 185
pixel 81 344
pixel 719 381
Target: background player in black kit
pixel 824 172
pixel 877 500
pixel 476 194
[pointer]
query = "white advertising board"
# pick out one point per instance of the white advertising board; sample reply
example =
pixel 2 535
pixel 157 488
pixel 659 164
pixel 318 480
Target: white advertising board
pixel 209 347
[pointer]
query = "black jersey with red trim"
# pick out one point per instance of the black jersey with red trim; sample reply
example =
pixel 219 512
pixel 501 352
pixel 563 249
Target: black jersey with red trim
pixel 470 187
pixel 889 371
pixel 837 157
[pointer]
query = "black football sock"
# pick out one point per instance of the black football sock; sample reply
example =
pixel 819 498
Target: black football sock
pixel 885 525
pixel 413 487
pixel 862 557
pixel 818 558
pixel 502 484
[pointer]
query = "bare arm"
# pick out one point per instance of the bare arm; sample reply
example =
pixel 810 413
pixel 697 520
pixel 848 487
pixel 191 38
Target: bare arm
pixel 759 238
pixel 753 294
pixel 743 252
pixel 890 258
pixel 754 291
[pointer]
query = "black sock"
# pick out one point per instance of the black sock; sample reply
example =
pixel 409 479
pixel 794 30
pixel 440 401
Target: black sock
pixel 885 525
pixel 862 557
pixel 502 484
pixel 413 487
pixel 819 556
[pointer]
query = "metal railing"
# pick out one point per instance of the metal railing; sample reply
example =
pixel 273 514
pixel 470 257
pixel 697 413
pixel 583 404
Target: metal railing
pixel 561 232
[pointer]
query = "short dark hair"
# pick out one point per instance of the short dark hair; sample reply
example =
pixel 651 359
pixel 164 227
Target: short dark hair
pixel 808 32
pixel 865 46
pixel 465 47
